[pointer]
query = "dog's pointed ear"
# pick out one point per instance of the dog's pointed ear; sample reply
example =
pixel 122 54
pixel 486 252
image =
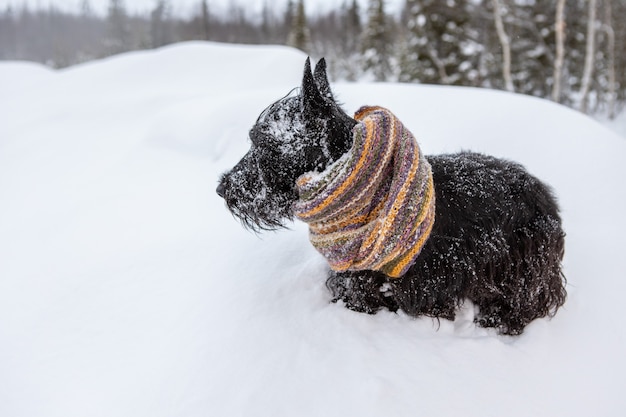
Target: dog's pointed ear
pixel 321 78
pixel 311 96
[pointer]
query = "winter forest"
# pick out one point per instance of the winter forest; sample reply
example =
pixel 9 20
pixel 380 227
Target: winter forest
pixel 570 51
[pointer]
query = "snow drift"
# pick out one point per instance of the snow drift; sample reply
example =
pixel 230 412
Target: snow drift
pixel 127 289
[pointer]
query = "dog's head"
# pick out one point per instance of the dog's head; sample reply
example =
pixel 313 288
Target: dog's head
pixel 302 132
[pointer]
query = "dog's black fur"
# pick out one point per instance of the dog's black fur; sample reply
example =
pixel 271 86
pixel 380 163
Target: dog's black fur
pixel 497 238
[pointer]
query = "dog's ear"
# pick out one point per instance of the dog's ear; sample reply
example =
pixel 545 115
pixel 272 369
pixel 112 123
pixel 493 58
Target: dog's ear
pixel 312 98
pixel 321 78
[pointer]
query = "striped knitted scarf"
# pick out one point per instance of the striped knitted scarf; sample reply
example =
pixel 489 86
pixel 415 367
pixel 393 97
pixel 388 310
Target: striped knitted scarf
pixel 374 208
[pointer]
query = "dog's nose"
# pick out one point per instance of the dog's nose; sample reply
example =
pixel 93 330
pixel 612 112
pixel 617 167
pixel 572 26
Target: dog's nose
pixel 220 190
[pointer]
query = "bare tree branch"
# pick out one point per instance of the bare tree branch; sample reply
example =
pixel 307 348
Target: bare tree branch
pixel 506 46
pixel 590 51
pixel 560 50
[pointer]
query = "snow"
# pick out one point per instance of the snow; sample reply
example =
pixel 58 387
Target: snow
pixel 617 124
pixel 127 289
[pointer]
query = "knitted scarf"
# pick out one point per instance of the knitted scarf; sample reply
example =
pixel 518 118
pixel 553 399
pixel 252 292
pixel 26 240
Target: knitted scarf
pixel 374 208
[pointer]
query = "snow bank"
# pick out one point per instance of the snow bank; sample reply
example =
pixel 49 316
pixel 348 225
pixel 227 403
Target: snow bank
pixel 618 124
pixel 126 288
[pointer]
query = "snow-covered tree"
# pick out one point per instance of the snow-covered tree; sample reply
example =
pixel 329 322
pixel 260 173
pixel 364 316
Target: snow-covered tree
pixel 520 40
pixel 352 26
pixel 160 30
pixel 440 46
pixel 118 39
pixel 299 35
pixel 343 47
pixel 376 44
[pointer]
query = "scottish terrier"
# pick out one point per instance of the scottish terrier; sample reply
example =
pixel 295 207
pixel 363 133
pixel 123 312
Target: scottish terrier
pixel 400 230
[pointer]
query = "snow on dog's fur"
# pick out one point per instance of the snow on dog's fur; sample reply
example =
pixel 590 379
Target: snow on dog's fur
pixel 496 241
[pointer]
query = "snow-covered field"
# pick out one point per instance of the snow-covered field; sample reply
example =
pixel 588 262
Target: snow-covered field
pixel 128 290
pixel 618 124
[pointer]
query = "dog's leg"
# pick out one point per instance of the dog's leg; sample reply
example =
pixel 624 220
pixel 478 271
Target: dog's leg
pixel 529 284
pixel 362 291
pixel 432 297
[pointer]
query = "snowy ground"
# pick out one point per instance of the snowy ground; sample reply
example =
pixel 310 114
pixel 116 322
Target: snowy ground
pixel 618 124
pixel 127 289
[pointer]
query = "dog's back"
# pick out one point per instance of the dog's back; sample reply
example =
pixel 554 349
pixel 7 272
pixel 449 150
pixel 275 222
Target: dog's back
pixel 497 241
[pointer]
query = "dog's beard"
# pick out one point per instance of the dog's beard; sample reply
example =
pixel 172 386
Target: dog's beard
pixel 259 214
pixel 259 206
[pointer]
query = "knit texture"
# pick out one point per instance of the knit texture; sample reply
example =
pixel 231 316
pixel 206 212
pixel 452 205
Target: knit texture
pixel 374 208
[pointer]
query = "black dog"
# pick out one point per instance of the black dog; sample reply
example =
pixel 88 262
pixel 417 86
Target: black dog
pixel 496 240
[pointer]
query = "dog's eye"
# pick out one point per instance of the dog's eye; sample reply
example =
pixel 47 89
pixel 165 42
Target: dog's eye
pixel 258 137
pixel 255 136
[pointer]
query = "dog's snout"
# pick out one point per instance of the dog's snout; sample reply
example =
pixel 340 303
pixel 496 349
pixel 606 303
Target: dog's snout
pixel 221 189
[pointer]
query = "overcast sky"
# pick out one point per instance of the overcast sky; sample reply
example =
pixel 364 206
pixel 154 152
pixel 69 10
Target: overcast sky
pixel 184 7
